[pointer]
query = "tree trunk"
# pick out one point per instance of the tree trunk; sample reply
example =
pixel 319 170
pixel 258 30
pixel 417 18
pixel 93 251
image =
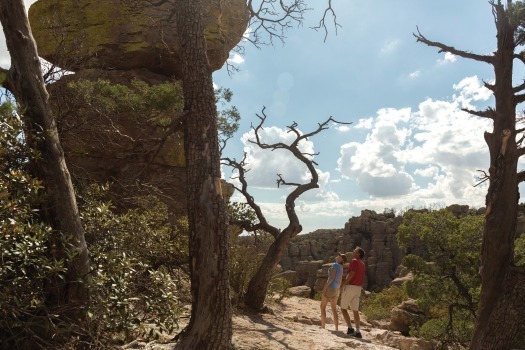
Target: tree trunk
pixel 501 307
pixel 61 211
pixel 258 285
pixel 210 324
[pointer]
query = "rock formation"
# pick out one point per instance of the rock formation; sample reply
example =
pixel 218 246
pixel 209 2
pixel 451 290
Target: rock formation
pixel 405 315
pixel 123 41
pixel 129 34
pixel 375 233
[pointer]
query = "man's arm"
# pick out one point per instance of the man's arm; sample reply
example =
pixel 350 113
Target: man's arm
pixel 349 277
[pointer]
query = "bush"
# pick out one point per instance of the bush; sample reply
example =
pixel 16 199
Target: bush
pixel 246 255
pixel 446 333
pixel 25 258
pixel 378 305
pixel 135 256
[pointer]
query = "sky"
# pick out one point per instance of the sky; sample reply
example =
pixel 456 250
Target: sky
pixel 409 144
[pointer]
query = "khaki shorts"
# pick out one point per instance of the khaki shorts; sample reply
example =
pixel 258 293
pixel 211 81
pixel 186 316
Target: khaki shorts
pixel 350 297
pixel 332 293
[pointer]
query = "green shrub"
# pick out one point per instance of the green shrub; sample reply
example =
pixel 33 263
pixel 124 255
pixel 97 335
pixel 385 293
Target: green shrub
pixel 246 255
pixel 135 289
pixel 446 333
pixel 377 306
pixel 25 265
pixel 278 289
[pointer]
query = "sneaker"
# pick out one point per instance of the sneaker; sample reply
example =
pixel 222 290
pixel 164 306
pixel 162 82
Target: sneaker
pixel 350 331
pixel 358 335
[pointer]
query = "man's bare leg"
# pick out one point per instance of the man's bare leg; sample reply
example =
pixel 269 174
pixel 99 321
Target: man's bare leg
pixel 346 316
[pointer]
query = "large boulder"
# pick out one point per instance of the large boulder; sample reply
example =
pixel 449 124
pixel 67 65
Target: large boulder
pixel 405 315
pixel 123 34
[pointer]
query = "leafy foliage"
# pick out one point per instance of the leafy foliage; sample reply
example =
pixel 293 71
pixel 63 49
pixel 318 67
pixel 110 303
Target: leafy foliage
pixel 377 306
pixel 227 119
pixel 135 255
pixel 154 103
pixel 246 254
pixel 24 253
pixel 136 286
pixel 446 281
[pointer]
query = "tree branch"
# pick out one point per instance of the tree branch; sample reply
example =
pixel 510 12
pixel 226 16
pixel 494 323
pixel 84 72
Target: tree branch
pixel 521 176
pixel 301 188
pixel 263 223
pixel 519 99
pixel 322 22
pixel 489 113
pixel 452 50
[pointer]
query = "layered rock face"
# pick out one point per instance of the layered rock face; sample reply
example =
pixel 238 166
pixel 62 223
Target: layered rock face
pixel 375 233
pixel 123 41
pixel 129 34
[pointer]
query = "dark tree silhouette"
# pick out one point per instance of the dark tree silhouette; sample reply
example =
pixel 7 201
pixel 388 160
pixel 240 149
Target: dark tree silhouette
pixel 258 285
pixel 502 302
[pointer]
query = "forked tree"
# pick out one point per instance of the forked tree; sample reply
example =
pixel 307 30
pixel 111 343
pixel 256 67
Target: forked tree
pixel 66 295
pixel 258 285
pixel 502 301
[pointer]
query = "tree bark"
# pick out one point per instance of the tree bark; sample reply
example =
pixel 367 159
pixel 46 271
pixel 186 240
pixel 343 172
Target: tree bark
pixel 210 324
pixel 501 302
pixel 27 85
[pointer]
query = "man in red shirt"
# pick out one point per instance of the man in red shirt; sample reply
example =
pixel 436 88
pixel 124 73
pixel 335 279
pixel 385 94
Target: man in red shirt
pixel 351 291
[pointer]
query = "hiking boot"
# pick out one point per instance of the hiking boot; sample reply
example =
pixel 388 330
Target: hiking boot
pixel 358 335
pixel 350 331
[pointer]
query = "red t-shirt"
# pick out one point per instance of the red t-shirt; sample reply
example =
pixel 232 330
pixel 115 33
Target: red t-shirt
pixel 358 266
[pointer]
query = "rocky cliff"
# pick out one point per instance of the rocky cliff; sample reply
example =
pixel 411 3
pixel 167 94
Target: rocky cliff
pixel 129 34
pixel 375 233
pixel 125 42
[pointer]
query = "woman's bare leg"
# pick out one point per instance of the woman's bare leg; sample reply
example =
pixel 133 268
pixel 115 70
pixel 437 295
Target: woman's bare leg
pixel 324 301
pixel 333 304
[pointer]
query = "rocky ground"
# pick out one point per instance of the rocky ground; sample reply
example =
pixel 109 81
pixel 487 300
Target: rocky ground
pixel 295 324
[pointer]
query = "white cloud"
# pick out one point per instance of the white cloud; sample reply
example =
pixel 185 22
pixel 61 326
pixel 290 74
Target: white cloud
pixel 389 47
pixel 265 164
pixel 415 74
pixel 449 58
pixel 236 58
pixel 342 128
pixel 438 142
pixel 429 171
pixel 365 123
pixel 471 89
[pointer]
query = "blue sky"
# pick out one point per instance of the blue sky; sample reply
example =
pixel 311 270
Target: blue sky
pixel 409 144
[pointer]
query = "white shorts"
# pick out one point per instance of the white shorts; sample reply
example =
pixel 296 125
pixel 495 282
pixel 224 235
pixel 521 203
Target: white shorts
pixel 350 297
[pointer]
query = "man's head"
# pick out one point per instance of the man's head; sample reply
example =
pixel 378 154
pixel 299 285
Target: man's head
pixel 358 253
pixel 342 259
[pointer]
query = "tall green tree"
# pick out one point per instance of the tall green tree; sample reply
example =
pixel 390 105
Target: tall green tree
pixel 67 294
pixel 446 281
pixel 502 300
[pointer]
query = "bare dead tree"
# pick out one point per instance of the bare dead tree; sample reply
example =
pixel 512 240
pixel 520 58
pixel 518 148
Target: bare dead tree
pixel 258 285
pixel 270 19
pixel 502 301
